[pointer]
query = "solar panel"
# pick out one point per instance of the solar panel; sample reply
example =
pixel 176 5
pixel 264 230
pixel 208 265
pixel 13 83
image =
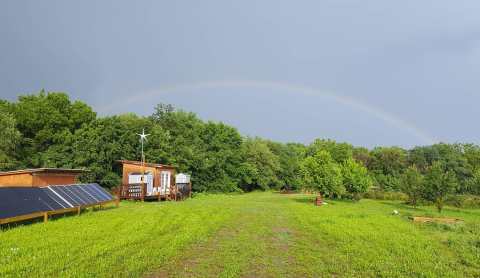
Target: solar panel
pixel 67 195
pixel 72 190
pixel 18 201
pixel 92 196
pixel 84 195
pixel 98 192
pixel 58 198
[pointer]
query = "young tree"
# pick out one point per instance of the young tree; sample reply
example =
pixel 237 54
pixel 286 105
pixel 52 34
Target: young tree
pixel 356 179
pixel 412 184
pixel 321 174
pixel 439 183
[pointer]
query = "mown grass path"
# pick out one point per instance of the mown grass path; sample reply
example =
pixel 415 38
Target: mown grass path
pixel 249 235
pixel 286 236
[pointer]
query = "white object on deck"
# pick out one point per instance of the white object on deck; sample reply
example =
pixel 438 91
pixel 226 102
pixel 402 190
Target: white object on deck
pixel 182 178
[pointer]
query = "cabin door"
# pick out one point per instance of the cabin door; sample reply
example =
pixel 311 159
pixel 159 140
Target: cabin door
pixel 165 182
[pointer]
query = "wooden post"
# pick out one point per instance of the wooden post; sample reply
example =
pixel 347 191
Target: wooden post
pixel 79 210
pixel 190 189
pixel 117 202
pixel 45 217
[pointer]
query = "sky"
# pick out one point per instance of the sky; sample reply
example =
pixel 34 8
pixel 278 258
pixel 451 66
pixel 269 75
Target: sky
pixel 372 73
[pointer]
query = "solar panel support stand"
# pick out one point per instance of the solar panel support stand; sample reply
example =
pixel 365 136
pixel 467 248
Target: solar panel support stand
pixel 45 217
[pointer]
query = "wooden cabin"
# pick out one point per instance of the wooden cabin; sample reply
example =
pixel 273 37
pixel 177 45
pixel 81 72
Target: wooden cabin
pixel 147 181
pixel 39 177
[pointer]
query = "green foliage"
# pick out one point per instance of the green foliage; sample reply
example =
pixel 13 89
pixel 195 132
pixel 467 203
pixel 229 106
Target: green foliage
pixel 340 152
pixel 289 156
pixel 260 165
pixel 9 140
pixel 50 130
pixel 322 174
pixel 413 184
pixel 439 183
pixel 356 179
pixel 47 120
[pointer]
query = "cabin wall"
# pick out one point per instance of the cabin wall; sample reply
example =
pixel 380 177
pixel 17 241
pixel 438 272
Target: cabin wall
pixel 53 179
pixel 17 180
pixel 131 168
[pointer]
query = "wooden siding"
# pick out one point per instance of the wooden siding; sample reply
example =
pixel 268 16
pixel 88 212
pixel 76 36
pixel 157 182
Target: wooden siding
pixel 53 179
pixel 37 179
pixel 18 180
pixel 133 168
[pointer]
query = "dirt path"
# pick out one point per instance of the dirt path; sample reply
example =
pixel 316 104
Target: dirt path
pixel 255 244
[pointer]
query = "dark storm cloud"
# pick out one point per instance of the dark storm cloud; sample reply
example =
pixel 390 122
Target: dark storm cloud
pixel 417 61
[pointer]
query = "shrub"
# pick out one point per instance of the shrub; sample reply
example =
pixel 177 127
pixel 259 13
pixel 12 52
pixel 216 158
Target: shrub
pixel 378 194
pixel 463 201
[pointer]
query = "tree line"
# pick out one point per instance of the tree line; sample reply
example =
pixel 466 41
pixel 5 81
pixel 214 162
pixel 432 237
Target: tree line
pixel 51 130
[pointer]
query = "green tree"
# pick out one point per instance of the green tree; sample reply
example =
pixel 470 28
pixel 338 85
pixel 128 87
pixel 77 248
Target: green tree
pixel 356 179
pixel 322 174
pixel 340 152
pixel 439 183
pixel 47 122
pixel 9 140
pixel 259 167
pixel 412 184
pixel 386 165
pixel 473 184
pixel 289 155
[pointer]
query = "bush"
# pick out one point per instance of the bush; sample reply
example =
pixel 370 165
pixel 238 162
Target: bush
pixel 463 201
pixel 378 194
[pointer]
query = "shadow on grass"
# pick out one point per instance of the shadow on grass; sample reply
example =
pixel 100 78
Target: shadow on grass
pixel 37 220
pixel 304 199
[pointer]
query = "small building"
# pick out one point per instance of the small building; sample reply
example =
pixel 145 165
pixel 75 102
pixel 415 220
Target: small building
pixel 147 181
pixel 39 177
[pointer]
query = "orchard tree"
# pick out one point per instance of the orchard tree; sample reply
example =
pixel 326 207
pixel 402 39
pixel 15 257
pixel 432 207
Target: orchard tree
pixel 322 174
pixel 356 179
pixel 439 183
pixel 412 184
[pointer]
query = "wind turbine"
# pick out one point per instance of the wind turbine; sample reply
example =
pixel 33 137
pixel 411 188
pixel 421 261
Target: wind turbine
pixel 143 138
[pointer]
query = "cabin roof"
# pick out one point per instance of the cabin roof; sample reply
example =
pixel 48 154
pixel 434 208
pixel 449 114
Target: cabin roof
pixel 44 170
pixel 147 164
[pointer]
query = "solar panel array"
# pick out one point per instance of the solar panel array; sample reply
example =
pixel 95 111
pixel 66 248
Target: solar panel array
pixel 17 201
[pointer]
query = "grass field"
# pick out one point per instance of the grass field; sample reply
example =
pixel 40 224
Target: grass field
pixel 249 235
